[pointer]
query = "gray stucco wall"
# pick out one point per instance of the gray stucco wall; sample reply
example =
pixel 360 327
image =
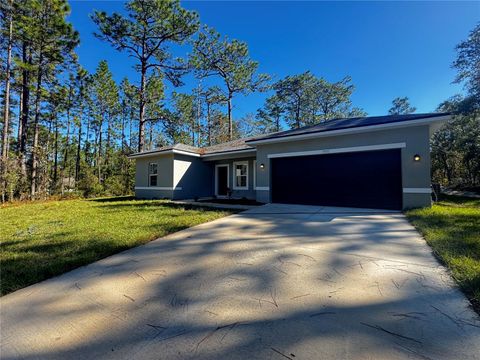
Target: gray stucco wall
pixel 414 174
pixel 164 180
pixel 187 177
pixel 194 176
pixel 179 176
pixel 153 194
pixel 250 193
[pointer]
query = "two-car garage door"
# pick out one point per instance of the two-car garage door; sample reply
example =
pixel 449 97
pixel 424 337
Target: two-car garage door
pixel 368 179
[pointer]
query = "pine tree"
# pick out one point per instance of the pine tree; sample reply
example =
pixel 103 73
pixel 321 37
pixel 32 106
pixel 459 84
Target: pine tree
pixel 401 106
pixel 145 33
pixel 52 41
pixel 229 60
pixel 106 97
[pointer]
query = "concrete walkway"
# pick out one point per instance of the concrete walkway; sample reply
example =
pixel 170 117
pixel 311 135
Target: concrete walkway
pixel 275 282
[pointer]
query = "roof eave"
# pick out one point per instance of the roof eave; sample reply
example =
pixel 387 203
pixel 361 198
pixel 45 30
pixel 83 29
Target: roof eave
pixel 181 152
pixel 354 130
pixel 229 152
pixel 162 152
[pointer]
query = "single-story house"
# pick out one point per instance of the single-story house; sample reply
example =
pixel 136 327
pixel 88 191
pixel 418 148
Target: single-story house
pixel 371 162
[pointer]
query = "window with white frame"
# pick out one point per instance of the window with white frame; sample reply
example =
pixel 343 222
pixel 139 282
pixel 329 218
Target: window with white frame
pixel 240 170
pixel 254 174
pixel 152 174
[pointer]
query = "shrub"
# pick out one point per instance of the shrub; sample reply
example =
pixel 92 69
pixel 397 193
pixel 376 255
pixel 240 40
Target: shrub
pixel 90 186
pixel 114 186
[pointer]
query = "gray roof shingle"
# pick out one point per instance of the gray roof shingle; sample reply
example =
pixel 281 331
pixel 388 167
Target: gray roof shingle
pixel 338 124
pixel 233 145
pixel 182 147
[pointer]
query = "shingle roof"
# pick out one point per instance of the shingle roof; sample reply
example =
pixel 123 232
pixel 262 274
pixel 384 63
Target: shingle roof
pixel 233 145
pixel 179 146
pixel 187 148
pixel 335 124
pixel 338 124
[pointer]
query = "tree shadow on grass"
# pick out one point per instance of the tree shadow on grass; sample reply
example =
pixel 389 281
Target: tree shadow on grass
pixel 113 199
pixel 141 204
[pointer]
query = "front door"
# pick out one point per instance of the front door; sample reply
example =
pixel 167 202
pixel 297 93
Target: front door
pixel 222 180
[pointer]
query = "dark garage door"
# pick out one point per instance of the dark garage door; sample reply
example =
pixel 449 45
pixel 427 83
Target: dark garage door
pixel 369 179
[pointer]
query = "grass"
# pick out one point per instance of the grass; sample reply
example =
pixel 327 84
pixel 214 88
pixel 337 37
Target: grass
pixel 41 240
pixel 452 228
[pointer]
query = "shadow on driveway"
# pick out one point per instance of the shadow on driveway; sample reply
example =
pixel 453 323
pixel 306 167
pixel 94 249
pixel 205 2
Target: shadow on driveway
pixel 275 282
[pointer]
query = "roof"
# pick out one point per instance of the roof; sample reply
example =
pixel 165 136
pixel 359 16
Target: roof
pixel 230 146
pixel 168 149
pixel 234 145
pixel 330 125
pixel 348 123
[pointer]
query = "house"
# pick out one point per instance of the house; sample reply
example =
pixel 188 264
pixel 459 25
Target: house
pixel 371 162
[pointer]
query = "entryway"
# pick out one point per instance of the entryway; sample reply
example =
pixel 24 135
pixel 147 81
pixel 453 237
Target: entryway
pixel 221 180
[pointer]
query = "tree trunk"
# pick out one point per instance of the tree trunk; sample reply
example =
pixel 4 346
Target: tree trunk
pixel 6 113
pixel 197 120
pixel 19 159
pixel 47 173
pixel 27 59
pixel 193 132
pixel 209 125
pixel 95 152
pixel 448 172
pixel 150 140
pixel 55 160
pixel 124 112
pixel 67 136
pixel 36 128
pixel 107 148
pixel 470 174
pixel 130 123
pixel 230 122
pixel 99 152
pixel 88 159
pixel 65 151
pixel 19 130
pixel 141 119
pixel 297 115
pixel 79 146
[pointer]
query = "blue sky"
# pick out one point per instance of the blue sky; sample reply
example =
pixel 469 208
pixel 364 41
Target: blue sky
pixel 389 49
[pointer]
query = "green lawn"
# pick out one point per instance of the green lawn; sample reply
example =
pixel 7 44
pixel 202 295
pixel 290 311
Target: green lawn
pixel 452 228
pixel 41 240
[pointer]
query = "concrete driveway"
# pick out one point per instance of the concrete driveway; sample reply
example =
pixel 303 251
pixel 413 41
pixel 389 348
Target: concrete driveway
pixel 275 282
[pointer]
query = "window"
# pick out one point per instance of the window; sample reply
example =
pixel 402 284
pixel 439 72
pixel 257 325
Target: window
pixel 241 175
pixel 152 174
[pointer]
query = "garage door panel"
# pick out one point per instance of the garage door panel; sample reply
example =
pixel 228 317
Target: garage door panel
pixel 362 179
